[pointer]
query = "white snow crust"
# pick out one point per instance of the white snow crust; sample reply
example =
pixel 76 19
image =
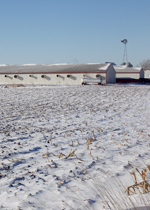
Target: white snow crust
pixel 105 67
pixel 56 64
pixel 68 147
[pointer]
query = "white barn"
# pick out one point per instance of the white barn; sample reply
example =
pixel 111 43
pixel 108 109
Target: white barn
pixel 147 73
pixel 57 74
pixel 128 73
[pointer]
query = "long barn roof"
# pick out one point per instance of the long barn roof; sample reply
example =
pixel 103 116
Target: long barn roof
pixel 54 68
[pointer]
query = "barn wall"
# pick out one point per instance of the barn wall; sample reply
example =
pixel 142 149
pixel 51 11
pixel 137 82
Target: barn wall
pixel 48 78
pixel 142 73
pixel 111 75
pixel 127 75
pixel 102 76
pixel 147 74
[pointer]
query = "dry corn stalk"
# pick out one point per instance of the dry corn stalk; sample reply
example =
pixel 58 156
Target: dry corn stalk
pixel 135 180
pixel 142 174
pixel 90 154
pixel 99 130
pixel 96 146
pixel 130 165
pixel 69 134
pixel 148 166
pixel 62 182
pixel 46 155
pixel 61 155
pixel 116 143
pixel 126 140
pixel 26 127
pixel 71 153
pixel 52 153
pixel 144 184
pixel 89 141
pixel 78 159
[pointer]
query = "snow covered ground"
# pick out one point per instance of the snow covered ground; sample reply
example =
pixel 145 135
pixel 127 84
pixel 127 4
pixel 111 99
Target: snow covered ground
pixel 68 147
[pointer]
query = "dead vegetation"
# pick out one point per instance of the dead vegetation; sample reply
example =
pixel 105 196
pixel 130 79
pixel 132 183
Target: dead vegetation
pixel 137 186
pixel 71 154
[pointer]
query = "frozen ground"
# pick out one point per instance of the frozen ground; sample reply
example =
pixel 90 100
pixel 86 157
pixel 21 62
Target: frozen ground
pixel 68 147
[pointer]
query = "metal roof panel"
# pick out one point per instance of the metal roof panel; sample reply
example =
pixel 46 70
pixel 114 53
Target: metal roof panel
pixel 54 68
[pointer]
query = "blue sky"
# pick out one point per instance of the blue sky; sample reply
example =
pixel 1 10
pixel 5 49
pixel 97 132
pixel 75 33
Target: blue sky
pixel 73 31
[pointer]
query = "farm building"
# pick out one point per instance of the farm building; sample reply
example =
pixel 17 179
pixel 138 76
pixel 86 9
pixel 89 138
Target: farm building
pixel 57 74
pixel 147 73
pixel 128 73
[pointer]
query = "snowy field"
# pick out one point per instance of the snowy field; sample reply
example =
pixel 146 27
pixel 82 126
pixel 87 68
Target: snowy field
pixel 73 147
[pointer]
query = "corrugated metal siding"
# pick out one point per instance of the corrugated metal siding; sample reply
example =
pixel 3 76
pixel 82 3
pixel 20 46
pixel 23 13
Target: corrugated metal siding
pixel 127 75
